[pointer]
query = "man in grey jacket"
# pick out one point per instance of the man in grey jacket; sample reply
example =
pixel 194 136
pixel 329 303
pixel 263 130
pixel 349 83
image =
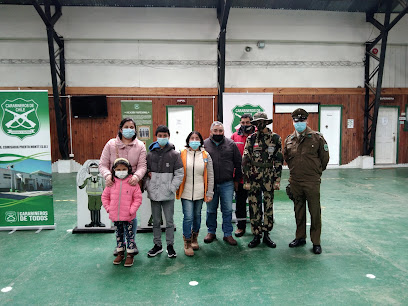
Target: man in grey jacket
pixel 227 175
pixel 165 173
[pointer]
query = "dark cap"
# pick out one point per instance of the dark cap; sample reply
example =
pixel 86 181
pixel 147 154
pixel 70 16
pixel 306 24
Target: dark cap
pixel 261 117
pixel 299 114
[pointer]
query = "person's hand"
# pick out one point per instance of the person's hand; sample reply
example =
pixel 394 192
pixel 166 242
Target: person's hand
pixel 209 199
pixel 133 181
pixel 236 186
pixel 276 185
pixel 246 186
pixel 149 174
pixel 108 181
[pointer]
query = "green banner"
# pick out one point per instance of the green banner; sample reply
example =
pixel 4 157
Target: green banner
pixel 142 112
pixel 25 160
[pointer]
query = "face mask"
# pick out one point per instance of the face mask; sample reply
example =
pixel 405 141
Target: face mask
pixel 128 133
pixel 194 144
pixel 162 141
pixel 261 126
pixel 300 126
pixel 121 174
pixel 94 172
pixel 218 138
pixel 248 128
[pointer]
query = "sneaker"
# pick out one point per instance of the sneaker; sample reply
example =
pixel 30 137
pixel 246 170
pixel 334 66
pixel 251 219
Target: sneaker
pixel 157 249
pixel 170 251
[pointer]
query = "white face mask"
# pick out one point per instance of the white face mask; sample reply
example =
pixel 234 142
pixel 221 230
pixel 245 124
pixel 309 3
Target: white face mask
pixel 121 174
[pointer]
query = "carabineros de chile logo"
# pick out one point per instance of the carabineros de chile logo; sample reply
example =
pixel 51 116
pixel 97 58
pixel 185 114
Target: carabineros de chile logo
pixel 20 118
pixel 239 110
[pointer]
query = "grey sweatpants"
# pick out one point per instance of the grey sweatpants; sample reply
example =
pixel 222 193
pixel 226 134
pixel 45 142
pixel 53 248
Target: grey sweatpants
pixel 168 210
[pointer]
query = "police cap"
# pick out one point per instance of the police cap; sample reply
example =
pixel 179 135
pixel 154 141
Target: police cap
pixel 299 114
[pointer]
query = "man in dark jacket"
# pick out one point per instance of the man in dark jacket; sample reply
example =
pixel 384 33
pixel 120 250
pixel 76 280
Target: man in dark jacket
pixel 227 175
pixel 164 175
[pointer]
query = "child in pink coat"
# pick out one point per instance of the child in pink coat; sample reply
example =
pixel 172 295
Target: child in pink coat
pixel 121 202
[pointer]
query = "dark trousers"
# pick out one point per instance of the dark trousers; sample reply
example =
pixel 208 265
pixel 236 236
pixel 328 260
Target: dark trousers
pixel 240 212
pixel 307 192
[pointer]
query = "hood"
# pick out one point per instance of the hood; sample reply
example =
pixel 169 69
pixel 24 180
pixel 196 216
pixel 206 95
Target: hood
pixel 155 146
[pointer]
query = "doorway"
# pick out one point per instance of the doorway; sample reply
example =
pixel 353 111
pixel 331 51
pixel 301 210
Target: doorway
pixel 386 136
pixel 330 127
pixel 180 123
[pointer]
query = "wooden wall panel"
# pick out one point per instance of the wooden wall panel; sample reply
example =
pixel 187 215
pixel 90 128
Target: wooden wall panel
pixel 90 135
pixel 403 134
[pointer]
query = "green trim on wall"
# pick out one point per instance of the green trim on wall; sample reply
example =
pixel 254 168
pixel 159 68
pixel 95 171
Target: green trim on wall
pixel 398 128
pixel 341 125
pixel 406 118
pixel 171 106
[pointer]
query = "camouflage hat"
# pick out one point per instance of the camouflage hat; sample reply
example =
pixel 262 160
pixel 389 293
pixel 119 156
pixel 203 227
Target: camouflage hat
pixel 299 114
pixel 261 117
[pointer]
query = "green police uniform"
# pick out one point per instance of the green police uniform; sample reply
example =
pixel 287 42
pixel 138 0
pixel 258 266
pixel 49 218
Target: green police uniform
pixel 94 189
pixel 307 155
pixel 262 166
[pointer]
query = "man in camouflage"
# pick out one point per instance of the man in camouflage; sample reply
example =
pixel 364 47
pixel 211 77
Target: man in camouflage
pixel 262 167
pixel 307 154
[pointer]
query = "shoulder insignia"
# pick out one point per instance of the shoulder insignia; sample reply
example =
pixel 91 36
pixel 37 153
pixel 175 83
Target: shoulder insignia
pixel 326 147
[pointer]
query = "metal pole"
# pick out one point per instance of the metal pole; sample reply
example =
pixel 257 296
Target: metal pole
pixel 367 99
pixel 380 75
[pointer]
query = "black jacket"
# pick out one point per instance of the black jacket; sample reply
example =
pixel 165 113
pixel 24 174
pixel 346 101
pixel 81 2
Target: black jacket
pixel 226 160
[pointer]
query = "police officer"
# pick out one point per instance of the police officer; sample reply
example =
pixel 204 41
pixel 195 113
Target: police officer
pixel 307 154
pixel 262 167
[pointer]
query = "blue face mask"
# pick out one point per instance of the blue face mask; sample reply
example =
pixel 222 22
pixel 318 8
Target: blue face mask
pixel 300 126
pixel 128 133
pixel 162 141
pixel 194 144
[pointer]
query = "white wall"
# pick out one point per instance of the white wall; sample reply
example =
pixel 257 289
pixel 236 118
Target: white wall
pixel 169 47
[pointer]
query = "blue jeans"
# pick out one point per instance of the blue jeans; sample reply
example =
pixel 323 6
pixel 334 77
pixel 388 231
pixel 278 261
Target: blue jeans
pixel 223 193
pixel 192 216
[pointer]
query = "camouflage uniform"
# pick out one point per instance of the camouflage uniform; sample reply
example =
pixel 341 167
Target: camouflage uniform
pixel 262 167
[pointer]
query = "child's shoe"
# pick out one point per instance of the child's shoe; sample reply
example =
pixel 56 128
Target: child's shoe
pixel 170 251
pixel 119 258
pixel 129 260
pixel 157 249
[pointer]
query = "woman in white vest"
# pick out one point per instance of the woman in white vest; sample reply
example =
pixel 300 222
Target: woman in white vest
pixel 197 186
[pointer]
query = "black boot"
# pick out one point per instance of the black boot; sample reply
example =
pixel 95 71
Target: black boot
pixel 92 224
pixel 267 240
pixel 98 218
pixel 256 241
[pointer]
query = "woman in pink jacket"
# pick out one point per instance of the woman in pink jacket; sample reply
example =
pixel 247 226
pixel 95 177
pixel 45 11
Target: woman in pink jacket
pixel 125 145
pixel 121 202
